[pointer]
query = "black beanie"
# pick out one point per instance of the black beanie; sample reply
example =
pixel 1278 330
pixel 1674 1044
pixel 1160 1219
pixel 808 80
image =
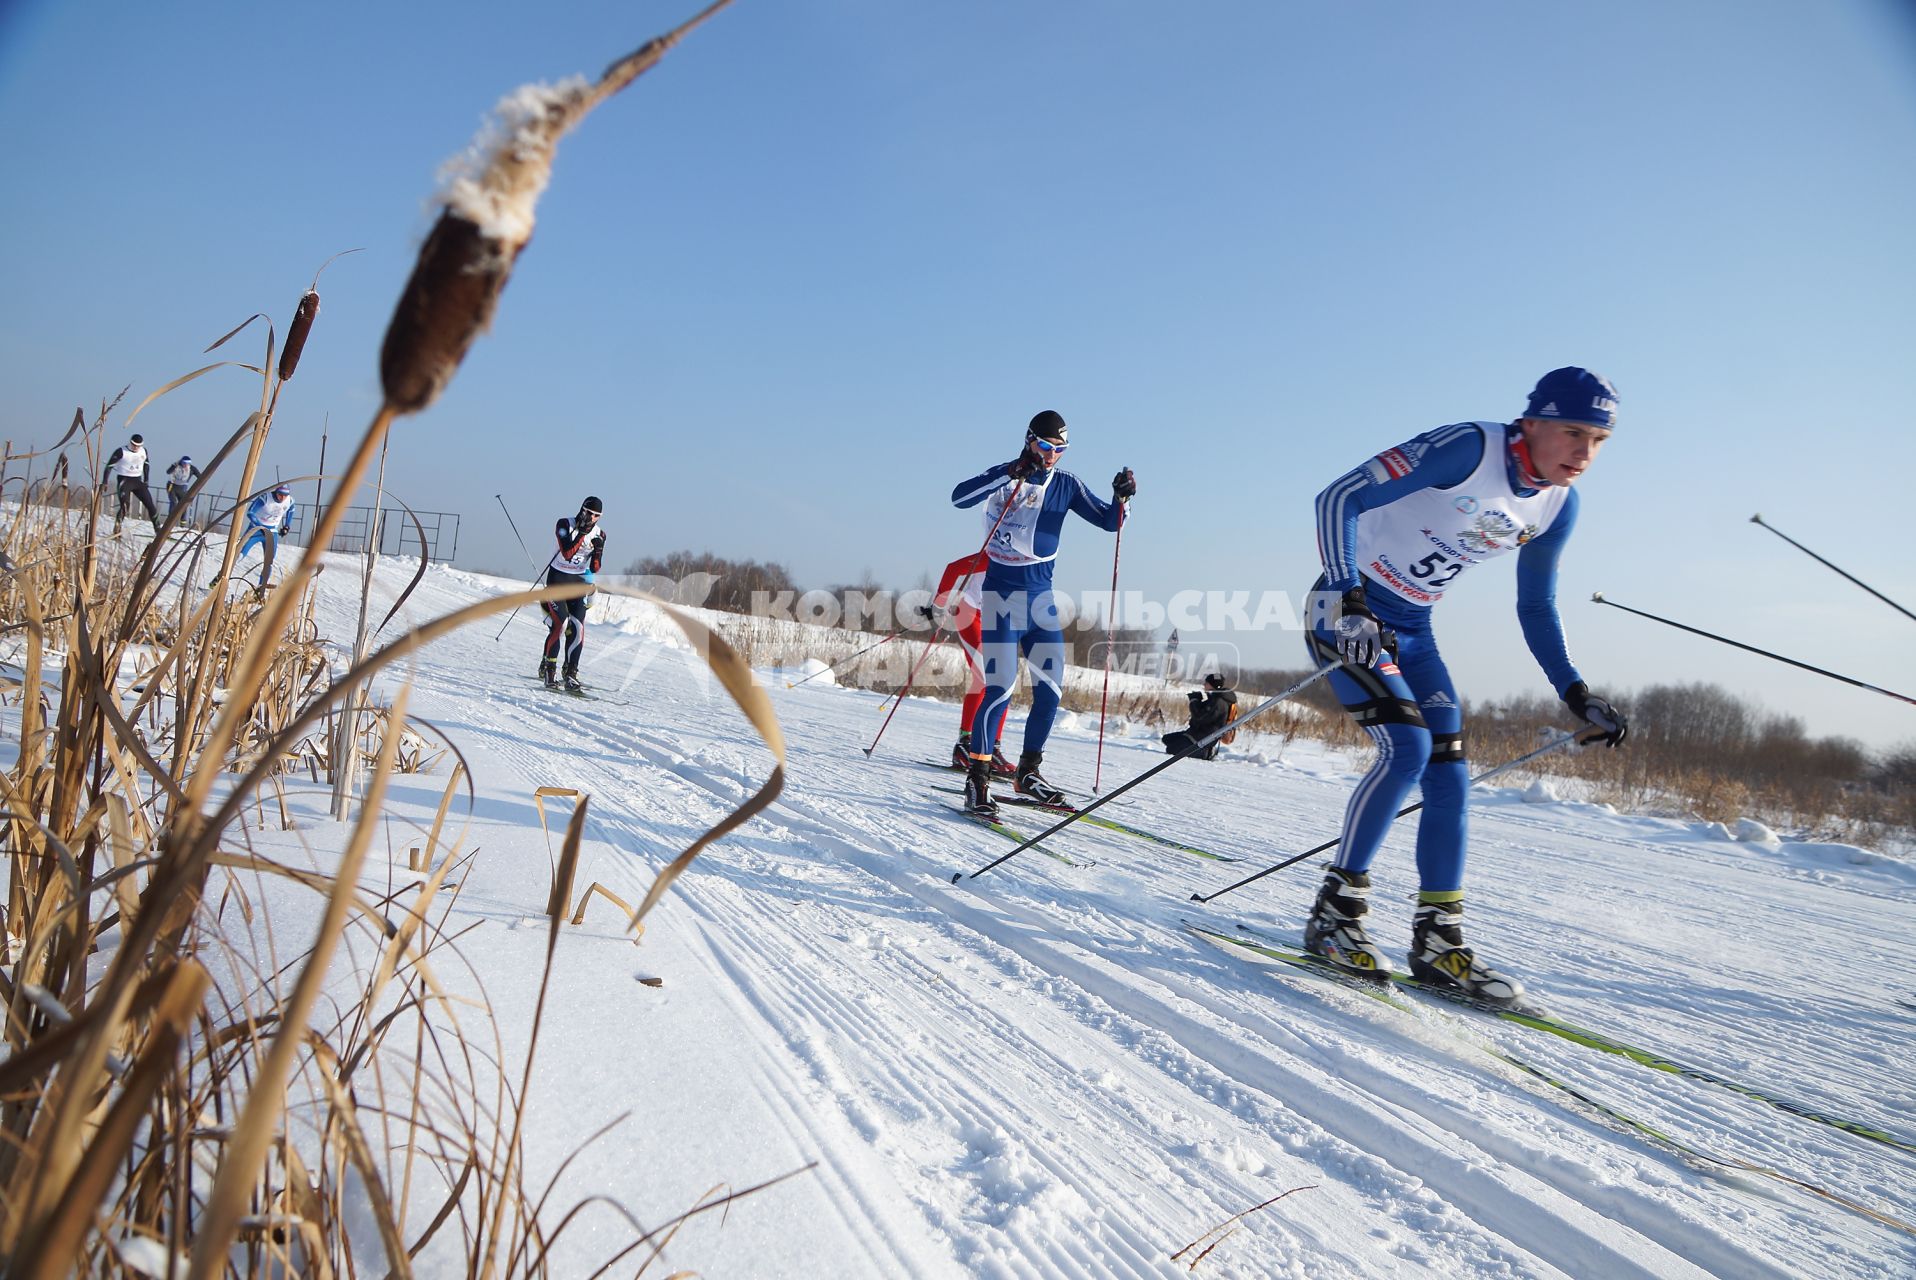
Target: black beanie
pixel 1048 425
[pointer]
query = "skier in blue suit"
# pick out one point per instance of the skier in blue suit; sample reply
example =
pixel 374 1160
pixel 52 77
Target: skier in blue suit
pixel 1025 503
pixel 1393 535
pixel 269 518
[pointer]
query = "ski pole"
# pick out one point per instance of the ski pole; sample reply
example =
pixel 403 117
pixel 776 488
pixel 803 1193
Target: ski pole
pixel 1155 769
pixel 1758 519
pixel 793 684
pixel 540 573
pixel 1738 644
pixel 1110 630
pixel 957 593
pixel 898 699
pixel 1485 776
pixel 515 530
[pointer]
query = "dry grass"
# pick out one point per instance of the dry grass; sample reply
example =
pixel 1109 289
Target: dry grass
pixel 189 1087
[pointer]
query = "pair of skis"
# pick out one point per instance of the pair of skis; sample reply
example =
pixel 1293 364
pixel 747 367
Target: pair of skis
pixel 1532 1015
pixel 1276 953
pixel 1094 819
pixel 580 692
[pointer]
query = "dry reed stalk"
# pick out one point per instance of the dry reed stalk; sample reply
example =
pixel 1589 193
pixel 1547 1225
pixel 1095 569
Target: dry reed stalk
pixel 257 1124
pixel 578 917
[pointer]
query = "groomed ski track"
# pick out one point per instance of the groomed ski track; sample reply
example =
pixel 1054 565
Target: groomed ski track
pixel 1039 1073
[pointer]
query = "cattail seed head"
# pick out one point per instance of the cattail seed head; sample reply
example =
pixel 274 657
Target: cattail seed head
pixel 448 302
pixel 302 325
pixel 486 219
pixel 485 223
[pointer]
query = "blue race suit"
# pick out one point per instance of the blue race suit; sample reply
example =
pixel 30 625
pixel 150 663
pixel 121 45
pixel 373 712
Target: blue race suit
pixel 1409 707
pixel 1020 610
pixel 266 517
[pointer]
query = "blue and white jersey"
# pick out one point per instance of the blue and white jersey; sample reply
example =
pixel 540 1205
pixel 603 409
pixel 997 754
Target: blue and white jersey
pixel 268 512
pixel 1413 518
pixel 1025 543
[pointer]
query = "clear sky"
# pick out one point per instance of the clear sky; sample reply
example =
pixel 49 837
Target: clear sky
pixel 826 260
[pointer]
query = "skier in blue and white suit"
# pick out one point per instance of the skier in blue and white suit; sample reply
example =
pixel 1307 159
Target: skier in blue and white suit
pixel 1393 535
pixel 1026 501
pixel 269 518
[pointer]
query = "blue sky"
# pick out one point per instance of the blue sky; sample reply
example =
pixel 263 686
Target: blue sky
pixel 825 260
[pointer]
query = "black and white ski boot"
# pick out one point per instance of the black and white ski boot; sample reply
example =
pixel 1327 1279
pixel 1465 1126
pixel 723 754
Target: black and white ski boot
pixel 1439 957
pixel 1031 783
pixel 1000 766
pixel 549 674
pixel 961 754
pixel 978 801
pixel 1335 931
pixel 572 684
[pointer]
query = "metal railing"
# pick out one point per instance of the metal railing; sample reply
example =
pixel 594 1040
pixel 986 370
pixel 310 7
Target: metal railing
pixel 397 536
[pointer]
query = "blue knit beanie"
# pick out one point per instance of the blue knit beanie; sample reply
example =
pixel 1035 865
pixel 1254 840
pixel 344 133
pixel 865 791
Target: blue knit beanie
pixel 1571 394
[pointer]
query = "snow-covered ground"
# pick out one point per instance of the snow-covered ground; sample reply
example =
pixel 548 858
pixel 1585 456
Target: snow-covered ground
pixel 1040 1073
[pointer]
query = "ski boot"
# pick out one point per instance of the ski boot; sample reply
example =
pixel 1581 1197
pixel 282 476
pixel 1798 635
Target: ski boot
pixel 1335 931
pixel 961 753
pixel 1439 957
pixel 1031 783
pixel 549 674
pixel 1000 766
pixel 572 683
pixel 978 801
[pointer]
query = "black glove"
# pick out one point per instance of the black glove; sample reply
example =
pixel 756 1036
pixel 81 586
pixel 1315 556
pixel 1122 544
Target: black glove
pixel 285 529
pixel 926 612
pixel 1124 485
pixel 1596 713
pixel 1025 466
pixel 1358 635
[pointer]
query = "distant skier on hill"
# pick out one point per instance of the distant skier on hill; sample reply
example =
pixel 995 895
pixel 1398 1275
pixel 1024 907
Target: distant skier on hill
pixel 1211 709
pixel 1393 535
pixel 1025 503
pixel 131 468
pixel 180 477
pixel 269 518
pixel 581 547
pixel 961 614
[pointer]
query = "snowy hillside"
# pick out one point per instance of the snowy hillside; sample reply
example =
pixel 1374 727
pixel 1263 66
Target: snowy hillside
pixel 1041 1073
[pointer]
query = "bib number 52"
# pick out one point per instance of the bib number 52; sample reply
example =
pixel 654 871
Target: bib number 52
pixel 1432 569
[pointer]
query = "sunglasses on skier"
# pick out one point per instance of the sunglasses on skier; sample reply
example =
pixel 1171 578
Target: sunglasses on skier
pixel 1046 446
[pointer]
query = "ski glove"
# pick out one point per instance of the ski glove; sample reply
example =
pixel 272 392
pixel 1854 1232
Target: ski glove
pixel 1024 468
pixel 1359 638
pixel 1124 485
pixel 1597 713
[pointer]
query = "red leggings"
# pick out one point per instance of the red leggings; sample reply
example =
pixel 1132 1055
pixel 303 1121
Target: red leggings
pixel 971 636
